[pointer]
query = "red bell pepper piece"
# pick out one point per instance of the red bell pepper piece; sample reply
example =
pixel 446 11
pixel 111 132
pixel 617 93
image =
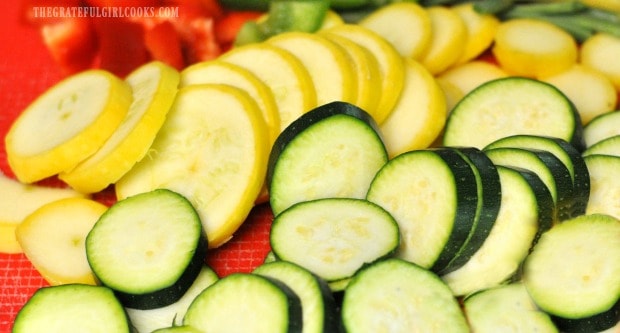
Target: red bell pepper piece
pixel 72 43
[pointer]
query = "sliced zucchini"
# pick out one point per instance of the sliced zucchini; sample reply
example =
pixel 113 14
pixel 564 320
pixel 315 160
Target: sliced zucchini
pixel 244 302
pixel 509 106
pixel 394 295
pixel 331 151
pixel 608 146
pixel 582 296
pixel 604 176
pixel 489 201
pixel 147 321
pixel 506 308
pixel 549 168
pixel 177 329
pixel 148 248
pixel 526 210
pixel 319 311
pixel 564 151
pixel 334 237
pixel 601 127
pixel 433 196
pixel 72 308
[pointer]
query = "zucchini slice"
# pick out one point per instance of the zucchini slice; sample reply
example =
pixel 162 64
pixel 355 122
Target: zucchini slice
pixel 148 248
pixel 601 127
pixel 331 151
pixel 245 302
pixel 150 320
pixel 510 106
pixel 432 194
pixel 604 175
pixel 334 237
pixel 489 202
pixel 549 168
pixel 319 310
pixel 608 146
pixel 566 153
pixel 506 306
pixel 526 210
pixel 72 308
pixel 582 296
pixel 394 295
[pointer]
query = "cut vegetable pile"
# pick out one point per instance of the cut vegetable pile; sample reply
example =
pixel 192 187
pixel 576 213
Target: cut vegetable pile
pixel 428 181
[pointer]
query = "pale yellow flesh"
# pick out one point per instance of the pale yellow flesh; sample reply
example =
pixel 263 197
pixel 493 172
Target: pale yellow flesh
pixel 533 48
pixel 17 201
pixel 284 74
pixel 449 36
pixel 601 52
pixel 53 238
pixel 66 124
pixel 212 149
pixel 220 72
pixel 481 29
pixel 332 73
pixel 406 25
pixel 367 72
pixel 468 76
pixel 592 92
pixel 154 86
pixel 419 117
pixel 390 63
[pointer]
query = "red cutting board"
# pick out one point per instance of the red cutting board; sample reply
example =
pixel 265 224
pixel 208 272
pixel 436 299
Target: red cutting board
pixel 26 70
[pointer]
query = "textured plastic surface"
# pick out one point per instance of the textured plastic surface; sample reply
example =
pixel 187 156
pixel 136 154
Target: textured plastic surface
pixel 26 70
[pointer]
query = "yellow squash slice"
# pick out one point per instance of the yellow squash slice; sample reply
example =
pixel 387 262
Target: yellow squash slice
pixel 220 72
pixel 53 239
pixel 154 86
pixel 330 69
pixel 390 62
pixel 406 25
pixel 601 52
pixel 448 42
pixel 284 74
pixel 419 116
pixel 212 149
pixel 481 29
pixel 367 69
pixel 66 124
pixel 466 77
pixel 17 201
pixel 534 48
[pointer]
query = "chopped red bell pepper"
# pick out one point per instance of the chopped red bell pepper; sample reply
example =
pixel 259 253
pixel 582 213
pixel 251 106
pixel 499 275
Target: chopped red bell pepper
pixel 72 43
pixel 227 26
pixel 164 44
pixel 121 45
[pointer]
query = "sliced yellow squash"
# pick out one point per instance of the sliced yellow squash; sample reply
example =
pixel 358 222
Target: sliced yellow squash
pixel 212 149
pixel 533 48
pixel 17 201
pixel 154 86
pixel 420 114
pixel 448 42
pixel 53 239
pixel 216 71
pixel 367 71
pixel 601 52
pixel 284 74
pixel 481 29
pixel 330 69
pixel 592 92
pixel 66 124
pixel 466 77
pixel 390 63
pixel 406 25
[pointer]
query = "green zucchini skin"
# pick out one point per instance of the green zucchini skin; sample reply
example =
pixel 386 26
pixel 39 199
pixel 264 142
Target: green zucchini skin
pixel 110 248
pixel 399 296
pixel 319 308
pixel 510 106
pixel 428 191
pixel 596 323
pixel 566 153
pixel 310 118
pixel 582 296
pixel 331 151
pixel 72 308
pixel 261 305
pixel 489 201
